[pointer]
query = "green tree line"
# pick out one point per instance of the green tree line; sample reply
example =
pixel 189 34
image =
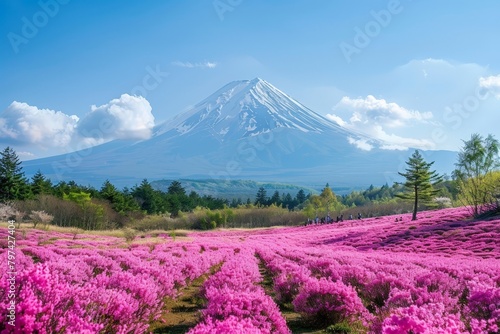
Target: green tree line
pixel 475 183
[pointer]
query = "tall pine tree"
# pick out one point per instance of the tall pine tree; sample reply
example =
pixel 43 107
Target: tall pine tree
pixel 261 198
pixel 40 184
pixel 419 182
pixel 13 185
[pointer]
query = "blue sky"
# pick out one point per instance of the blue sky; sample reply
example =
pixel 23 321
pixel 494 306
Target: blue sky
pixel 423 74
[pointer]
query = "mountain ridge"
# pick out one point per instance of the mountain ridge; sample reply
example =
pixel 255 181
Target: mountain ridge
pixel 248 129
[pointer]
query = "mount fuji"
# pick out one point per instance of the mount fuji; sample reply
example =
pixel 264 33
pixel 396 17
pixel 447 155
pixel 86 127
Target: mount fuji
pixel 248 129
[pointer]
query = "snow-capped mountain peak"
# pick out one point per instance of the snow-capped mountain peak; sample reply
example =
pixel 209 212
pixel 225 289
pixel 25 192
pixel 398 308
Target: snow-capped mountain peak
pixel 248 129
pixel 247 108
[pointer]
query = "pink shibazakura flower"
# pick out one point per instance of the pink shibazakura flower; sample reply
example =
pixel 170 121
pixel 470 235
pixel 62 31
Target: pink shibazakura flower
pixel 330 302
pixel 428 319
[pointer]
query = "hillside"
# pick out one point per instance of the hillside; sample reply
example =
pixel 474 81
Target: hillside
pixel 248 129
pixel 382 275
pixel 233 189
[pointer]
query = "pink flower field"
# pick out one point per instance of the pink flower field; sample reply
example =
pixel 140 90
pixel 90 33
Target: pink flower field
pixel 439 274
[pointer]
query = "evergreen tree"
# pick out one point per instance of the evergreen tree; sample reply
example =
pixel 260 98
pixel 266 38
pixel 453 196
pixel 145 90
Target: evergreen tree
pixel 419 181
pixel 13 185
pixel 114 196
pixel 129 203
pixel 40 184
pixel 147 198
pixel 261 198
pixel 288 201
pixel 174 205
pixel 301 196
pixel 176 188
pixel 177 199
pixel 275 198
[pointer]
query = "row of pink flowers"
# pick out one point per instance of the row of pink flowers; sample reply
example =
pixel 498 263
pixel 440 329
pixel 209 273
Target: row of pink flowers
pixel 440 274
pixel 236 303
pixel 426 293
pixel 73 287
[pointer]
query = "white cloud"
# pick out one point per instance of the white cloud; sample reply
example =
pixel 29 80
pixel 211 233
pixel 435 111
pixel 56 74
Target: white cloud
pixel 21 123
pixel 47 132
pixel 373 110
pixel 362 144
pixel 371 116
pixel 206 64
pixel 492 84
pixel 25 154
pixel 394 147
pixel 337 119
pixel 128 117
pixel 395 142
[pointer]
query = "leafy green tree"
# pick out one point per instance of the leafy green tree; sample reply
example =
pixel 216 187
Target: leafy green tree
pixel 93 214
pixel 313 206
pixel 13 184
pixel 328 198
pixel 477 160
pixel 419 182
pixel 40 185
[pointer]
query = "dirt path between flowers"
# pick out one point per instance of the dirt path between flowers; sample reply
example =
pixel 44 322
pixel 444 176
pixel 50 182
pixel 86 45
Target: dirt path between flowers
pixel 293 319
pixel 183 313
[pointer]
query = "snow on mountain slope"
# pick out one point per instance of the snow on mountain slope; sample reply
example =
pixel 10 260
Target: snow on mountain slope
pixel 248 108
pixel 248 129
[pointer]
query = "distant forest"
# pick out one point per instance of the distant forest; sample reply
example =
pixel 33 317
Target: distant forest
pixel 475 183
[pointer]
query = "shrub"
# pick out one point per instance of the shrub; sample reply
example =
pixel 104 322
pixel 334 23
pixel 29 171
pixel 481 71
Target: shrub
pixel 40 217
pixel 9 212
pixel 443 202
pixel 288 283
pixel 231 324
pixel 129 234
pixel 266 217
pixel 340 328
pixel 325 302
pixel 483 308
pixel 90 215
pixel 429 318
